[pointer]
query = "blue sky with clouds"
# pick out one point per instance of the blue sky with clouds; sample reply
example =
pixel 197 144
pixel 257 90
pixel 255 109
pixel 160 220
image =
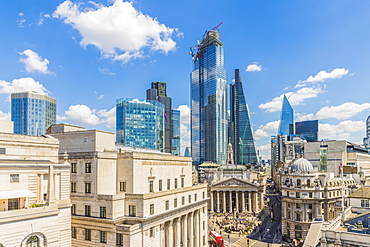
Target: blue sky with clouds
pixel 87 54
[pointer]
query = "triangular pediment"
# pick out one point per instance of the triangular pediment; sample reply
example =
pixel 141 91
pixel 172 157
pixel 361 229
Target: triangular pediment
pixel 235 182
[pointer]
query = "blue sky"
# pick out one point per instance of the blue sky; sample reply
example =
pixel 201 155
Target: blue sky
pixel 87 54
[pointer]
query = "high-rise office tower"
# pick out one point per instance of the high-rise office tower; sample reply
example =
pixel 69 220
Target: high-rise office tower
pixel 158 93
pixel 32 113
pixel 241 134
pixel 175 132
pixel 307 130
pixel 140 123
pixel 367 138
pixel 209 101
pixel 286 126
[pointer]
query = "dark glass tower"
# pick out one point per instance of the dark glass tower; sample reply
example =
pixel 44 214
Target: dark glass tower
pixel 241 134
pixel 307 130
pixel 286 126
pixel 158 93
pixel 209 101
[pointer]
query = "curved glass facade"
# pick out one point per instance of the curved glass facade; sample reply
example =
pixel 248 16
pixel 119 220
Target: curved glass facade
pixel 287 119
pixel 140 123
pixel 209 102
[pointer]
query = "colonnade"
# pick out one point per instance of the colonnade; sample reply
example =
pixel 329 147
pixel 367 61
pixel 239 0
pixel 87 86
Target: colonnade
pixel 185 231
pixel 222 201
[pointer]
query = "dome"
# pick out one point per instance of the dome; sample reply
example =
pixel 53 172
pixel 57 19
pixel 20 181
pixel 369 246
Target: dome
pixel 302 165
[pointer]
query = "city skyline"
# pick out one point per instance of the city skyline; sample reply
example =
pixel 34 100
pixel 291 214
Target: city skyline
pixel 312 52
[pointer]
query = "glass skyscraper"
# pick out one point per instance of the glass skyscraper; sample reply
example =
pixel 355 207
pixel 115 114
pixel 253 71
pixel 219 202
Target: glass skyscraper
pixel 286 126
pixel 32 113
pixel 140 123
pixel 307 130
pixel 175 132
pixel 209 101
pixel 241 133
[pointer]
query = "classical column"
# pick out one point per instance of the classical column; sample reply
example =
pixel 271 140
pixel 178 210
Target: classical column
pixel 178 232
pixel 185 232
pixel 231 202
pixel 237 201
pixel 212 201
pixel 218 201
pixel 249 202
pixel 243 201
pixel 256 201
pixel 191 230
pixel 196 228
pixel 262 201
pixel 170 233
pixel 224 201
pixel 163 234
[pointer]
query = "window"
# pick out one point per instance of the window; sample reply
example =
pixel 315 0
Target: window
pixel 73 209
pixel 88 234
pixel 160 185
pixel 308 183
pixel 14 178
pixel 13 203
pixel 87 187
pixel 73 187
pixel 167 205
pixel 183 200
pixel 168 184
pixel 87 167
pixel 310 206
pixel 310 194
pixel 204 225
pixel 175 183
pixel 151 187
pixel 298 194
pixel 310 216
pixel 298 216
pixel 74 232
pixel 175 203
pixel 119 239
pixel 103 212
pixel 103 237
pixel 87 210
pixel 182 182
pixel 364 203
pixel 132 210
pixel 298 183
pixel 195 197
pixel 151 232
pixel 204 195
pixel 189 199
pixel 151 209
pixel 73 167
pixel 122 186
pixel 33 241
pixel 298 205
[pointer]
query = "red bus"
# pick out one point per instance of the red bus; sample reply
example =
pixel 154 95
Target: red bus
pixel 215 239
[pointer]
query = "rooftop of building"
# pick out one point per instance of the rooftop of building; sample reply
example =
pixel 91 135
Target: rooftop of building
pixel 363 192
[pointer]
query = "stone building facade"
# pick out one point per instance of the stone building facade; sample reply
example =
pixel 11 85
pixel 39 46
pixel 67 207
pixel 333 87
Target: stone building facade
pixel 131 196
pixel 308 195
pixel 34 192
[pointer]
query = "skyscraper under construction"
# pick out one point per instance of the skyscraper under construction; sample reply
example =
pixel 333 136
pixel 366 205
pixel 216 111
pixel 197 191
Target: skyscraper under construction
pixel 209 101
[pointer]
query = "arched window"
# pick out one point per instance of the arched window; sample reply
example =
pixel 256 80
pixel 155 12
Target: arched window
pixel 308 183
pixel 33 241
pixel 298 183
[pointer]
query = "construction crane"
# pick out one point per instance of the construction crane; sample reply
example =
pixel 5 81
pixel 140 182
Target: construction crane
pixel 213 29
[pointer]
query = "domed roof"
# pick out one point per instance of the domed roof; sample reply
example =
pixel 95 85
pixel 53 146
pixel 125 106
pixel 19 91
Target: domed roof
pixel 302 165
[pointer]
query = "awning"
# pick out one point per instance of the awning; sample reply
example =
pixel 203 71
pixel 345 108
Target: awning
pixel 16 194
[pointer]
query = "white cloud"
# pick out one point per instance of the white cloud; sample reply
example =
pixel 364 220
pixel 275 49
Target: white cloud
pixel 106 71
pixel 108 117
pixel 22 85
pixel 323 76
pixel 254 67
pixel 34 63
pixel 340 112
pixel 296 98
pixel 267 130
pixel 81 115
pixel 341 131
pixel 5 116
pixel 119 31
pixel 184 127
pixel 264 147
